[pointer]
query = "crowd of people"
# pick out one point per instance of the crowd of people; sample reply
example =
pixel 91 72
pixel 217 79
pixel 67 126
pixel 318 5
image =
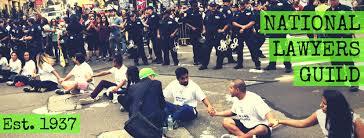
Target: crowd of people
pixel 31 46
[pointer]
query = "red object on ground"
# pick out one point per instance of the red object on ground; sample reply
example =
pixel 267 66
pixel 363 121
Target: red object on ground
pixel 19 84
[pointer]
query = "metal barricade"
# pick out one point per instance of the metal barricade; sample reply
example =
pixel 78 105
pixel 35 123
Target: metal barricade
pixel 183 34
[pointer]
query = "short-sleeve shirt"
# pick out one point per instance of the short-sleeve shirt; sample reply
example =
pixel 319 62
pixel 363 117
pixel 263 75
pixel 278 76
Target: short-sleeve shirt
pixel 184 95
pixel 119 74
pixel 28 68
pixel 115 31
pixel 15 66
pixel 251 110
pixel 167 27
pixel 244 18
pixel 80 72
pixel 214 21
pixel 3 62
pixel 45 73
pixel 321 118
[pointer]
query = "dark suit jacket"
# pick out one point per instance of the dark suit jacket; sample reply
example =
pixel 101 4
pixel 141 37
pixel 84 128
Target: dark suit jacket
pixel 153 101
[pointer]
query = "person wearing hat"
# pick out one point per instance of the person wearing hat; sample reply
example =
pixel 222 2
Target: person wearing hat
pixel 193 19
pixel 148 90
pixel 226 10
pixel 153 25
pixel 166 33
pixel 243 23
pixel 215 25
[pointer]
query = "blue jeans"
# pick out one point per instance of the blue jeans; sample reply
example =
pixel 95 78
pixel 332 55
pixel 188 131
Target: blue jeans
pixel 181 113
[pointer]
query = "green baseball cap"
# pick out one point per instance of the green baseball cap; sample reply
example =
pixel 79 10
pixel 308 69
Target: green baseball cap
pixel 145 72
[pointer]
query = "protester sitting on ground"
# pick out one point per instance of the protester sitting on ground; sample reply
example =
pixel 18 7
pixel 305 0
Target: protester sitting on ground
pixel 336 119
pixel 12 69
pixel 26 73
pixel 82 73
pixel 3 62
pixel 185 94
pixel 147 91
pixel 133 77
pixel 48 76
pixel 118 71
pixel 254 116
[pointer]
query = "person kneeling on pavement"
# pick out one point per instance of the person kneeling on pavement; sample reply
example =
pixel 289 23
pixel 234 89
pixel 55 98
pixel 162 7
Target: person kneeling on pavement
pixel 48 76
pixel 185 94
pixel 254 115
pixel 82 72
pixel 119 72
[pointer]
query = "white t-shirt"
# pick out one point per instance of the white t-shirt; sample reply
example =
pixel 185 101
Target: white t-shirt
pixel 46 28
pixel 251 110
pixel 3 62
pixel 119 74
pixel 45 73
pixel 321 118
pixel 15 66
pixel 80 72
pixel 182 95
pixel 28 68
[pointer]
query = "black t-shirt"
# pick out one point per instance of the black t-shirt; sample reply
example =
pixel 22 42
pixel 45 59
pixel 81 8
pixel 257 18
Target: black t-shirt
pixel 194 18
pixel 167 27
pixel 135 29
pixel 153 22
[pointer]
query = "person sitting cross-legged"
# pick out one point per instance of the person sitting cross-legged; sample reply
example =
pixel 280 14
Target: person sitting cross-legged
pixel 185 94
pixel 254 116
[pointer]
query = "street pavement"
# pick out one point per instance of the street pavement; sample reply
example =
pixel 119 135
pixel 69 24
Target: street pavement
pixel 104 119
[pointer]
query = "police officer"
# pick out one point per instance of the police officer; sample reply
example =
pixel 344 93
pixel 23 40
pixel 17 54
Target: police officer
pixel 193 19
pixel 4 38
pixel 337 6
pixel 33 38
pixel 153 24
pixel 167 34
pixel 243 24
pixel 226 10
pixel 75 42
pixel 215 25
pixel 279 5
pixel 135 28
pixel 16 34
pixel 259 37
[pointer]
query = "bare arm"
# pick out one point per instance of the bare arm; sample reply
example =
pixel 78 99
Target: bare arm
pixel 103 73
pixel 55 73
pixel 226 113
pixel 359 128
pixel 309 121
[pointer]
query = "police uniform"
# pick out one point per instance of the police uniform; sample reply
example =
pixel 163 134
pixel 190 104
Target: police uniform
pixel 226 10
pixel 342 7
pixel 153 22
pixel 280 5
pixel 194 18
pixel 244 18
pixel 135 29
pixel 75 41
pixel 16 45
pixel 35 44
pixel 4 49
pixel 167 27
pixel 259 37
pixel 213 21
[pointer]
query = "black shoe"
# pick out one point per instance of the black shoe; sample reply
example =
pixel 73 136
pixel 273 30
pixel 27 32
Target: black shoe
pixel 238 67
pixel 145 63
pixel 257 68
pixel 262 56
pixel 165 64
pixel 217 67
pixel 202 68
pixel 288 70
pixel 270 67
pixel 354 89
pixel 30 90
pixel 136 64
pixel 60 92
pixel 159 62
pixel 195 63
pixel 176 64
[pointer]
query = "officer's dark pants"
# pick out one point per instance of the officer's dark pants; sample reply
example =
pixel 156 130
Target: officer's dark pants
pixel 219 54
pixel 76 45
pixel 196 47
pixel 167 46
pixel 287 64
pixel 260 39
pixel 207 48
pixel 34 49
pixel 139 51
pixel 156 47
pixel 249 41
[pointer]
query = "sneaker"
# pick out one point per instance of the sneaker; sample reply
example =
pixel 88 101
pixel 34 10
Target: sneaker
pixel 88 100
pixel 19 84
pixel 122 109
pixel 10 83
pixel 202 68
pixel 288 70
pixel 59 92
pixel 75 91
pixel 228 136
pixel 114 98
pixel 30 90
